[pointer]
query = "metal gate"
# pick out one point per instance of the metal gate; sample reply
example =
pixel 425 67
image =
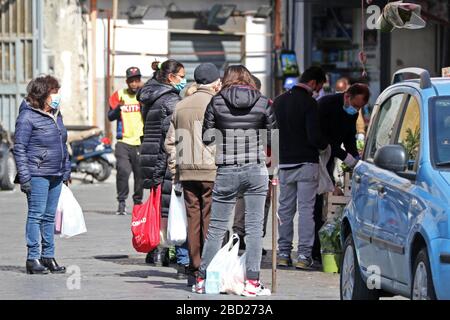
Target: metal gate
pixel 192 49
pixel 19 52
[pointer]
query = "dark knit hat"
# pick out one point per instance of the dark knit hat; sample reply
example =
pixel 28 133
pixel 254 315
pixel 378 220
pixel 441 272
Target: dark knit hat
pixel 206 73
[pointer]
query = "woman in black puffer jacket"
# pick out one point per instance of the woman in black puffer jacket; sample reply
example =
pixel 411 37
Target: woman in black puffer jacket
pixel 158 98
pixel 238 120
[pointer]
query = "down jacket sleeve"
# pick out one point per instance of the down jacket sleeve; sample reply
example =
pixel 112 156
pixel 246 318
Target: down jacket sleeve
pixel 21 139
pixel 169 107
pixel 68 166
pixel 170 146
pixel 209 124
pixel 271 121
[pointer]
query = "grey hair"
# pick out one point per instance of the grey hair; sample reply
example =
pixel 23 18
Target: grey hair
pixel 209 85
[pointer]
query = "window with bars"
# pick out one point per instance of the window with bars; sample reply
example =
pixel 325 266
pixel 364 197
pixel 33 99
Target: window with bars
pixel 16 41
pixel 17 55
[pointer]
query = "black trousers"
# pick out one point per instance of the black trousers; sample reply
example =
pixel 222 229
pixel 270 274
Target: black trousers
pixel 128 161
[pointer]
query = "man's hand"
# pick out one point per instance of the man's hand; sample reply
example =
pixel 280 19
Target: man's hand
pixel 67 182
pixel 26 187
pixel 178 188
pixel 350 161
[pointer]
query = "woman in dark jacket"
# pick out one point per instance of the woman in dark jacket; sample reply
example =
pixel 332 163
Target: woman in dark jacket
pixel 158 98
pixel 43 165
pixel 237 119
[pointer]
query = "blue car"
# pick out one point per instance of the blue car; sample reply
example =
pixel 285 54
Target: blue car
pixel 396 230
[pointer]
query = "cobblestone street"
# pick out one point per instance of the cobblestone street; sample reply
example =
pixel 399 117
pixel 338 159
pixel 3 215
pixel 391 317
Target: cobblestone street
pixel 108 264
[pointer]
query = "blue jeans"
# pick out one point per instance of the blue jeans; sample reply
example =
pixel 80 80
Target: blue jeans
pixel 251 180
pixel 42 204
pixel 182 254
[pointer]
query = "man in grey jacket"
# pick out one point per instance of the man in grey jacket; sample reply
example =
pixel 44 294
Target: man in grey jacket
pixel 192 163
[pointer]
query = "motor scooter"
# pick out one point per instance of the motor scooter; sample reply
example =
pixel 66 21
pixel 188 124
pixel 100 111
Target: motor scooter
pixel 90 152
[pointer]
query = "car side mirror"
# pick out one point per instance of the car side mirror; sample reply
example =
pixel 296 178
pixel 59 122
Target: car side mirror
pixel 392 157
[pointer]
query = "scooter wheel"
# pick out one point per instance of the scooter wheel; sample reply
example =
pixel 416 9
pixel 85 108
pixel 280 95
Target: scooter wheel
pixel 105 173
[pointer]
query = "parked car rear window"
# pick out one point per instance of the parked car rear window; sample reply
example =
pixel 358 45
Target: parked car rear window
pixel 440 133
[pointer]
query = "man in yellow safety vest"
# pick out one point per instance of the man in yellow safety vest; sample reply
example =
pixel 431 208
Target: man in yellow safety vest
pixel 126 110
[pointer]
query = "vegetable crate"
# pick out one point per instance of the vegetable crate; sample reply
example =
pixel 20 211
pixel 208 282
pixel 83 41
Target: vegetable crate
pixel 333 204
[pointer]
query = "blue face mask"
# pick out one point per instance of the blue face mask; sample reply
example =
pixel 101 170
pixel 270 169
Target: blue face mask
pixel 180 86
pixel 56 101
pixel 351 110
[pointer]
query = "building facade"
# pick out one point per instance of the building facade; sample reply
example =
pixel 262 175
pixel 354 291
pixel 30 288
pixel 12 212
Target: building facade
pixel 179 30
pixel 43 37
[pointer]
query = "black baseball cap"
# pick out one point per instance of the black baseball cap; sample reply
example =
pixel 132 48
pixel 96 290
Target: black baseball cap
pixel 133 72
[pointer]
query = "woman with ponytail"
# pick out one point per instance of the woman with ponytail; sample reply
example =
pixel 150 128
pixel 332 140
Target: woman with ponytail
pixel 158 98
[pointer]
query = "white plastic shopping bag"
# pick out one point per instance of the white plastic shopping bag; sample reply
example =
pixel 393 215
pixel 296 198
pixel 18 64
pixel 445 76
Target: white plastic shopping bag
pixel 234 278
pixel 325 183
pixel 177 221
pixel 72 216
pixel 220 265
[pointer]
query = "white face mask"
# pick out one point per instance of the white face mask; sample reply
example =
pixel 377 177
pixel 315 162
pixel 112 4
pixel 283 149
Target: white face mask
pixel 56 101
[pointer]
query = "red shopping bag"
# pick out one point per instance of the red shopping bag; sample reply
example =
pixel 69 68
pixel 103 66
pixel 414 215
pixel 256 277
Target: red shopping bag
pixel 145 223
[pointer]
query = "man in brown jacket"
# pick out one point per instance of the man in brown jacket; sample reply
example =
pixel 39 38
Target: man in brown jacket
pixel 191 162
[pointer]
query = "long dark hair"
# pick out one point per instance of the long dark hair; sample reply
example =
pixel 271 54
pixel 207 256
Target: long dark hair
pixel 163 70
pixel 237 75
pixel 39 89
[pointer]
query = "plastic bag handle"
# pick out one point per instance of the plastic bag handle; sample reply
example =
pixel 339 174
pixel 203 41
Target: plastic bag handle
pixel 234 247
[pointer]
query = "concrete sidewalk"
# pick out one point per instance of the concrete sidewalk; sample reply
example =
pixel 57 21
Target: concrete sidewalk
pixel 109 266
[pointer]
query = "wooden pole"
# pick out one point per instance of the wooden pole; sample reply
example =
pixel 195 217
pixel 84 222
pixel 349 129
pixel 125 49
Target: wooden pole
pixel 278 41
pixel 278 24
pixel 115 10
pixel 93 14
pixel 108 91
pixel 274 232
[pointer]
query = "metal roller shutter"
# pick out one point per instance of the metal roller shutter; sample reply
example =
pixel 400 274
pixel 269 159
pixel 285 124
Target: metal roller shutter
pixel 193 49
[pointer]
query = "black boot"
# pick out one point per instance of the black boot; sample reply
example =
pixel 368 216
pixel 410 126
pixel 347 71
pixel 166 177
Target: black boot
pixel 51 264
pixel 192 277
pixel 152 257
pixel 182 272
pixel 35 267
pixel 165 257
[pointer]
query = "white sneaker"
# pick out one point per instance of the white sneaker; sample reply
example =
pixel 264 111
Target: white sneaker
pixel 199 286
pixel 254 288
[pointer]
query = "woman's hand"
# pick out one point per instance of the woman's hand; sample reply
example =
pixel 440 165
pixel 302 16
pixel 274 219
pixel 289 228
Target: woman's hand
pixel 26 187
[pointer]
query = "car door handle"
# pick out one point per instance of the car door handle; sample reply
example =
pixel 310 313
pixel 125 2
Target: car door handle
pixel 381 190
pixel 357 178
